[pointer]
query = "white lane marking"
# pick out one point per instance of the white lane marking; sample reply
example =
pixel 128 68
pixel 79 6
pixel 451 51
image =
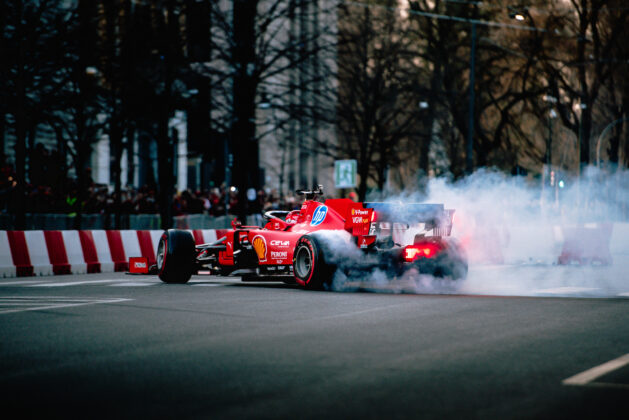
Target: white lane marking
pixel 132 284
pixel 22 282
pixel 589 375
pixel 564 290
pixel 74 283
pixel 39 303
pixel 69 298
pixel 209 284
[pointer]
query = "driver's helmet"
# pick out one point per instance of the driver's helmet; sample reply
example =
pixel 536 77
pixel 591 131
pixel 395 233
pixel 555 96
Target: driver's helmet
pixel 291 218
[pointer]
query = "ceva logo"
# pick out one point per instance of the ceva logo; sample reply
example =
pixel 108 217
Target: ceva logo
pixel 319 215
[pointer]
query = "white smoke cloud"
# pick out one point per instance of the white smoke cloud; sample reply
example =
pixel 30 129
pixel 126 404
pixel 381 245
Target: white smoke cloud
pixel 514 231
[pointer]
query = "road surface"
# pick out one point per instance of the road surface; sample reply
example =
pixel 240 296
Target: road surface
pixel 527 342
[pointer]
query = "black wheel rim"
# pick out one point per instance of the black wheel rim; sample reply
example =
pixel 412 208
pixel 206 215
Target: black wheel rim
pixel 161 251
pixel 303 262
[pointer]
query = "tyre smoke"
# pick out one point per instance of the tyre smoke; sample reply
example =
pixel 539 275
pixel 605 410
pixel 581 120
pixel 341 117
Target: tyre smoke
pixel 521 238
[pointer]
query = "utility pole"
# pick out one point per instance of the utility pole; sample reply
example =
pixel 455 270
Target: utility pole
pixel 469 149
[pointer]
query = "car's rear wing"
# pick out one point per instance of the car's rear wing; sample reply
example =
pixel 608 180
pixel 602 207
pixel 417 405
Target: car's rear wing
pixel 433 215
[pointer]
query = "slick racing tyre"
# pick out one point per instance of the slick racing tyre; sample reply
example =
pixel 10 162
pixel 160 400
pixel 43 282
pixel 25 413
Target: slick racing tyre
pixel 176 256
pixel 450 267
pixel 450 264
pixel 309 265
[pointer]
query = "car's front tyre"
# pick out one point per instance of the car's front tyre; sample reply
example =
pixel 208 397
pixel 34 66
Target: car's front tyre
pixel 176 256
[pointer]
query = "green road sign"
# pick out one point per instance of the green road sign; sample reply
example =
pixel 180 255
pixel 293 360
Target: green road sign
pixel 345 173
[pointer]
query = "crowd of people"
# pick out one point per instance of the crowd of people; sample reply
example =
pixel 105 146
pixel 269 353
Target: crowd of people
pixel 46 196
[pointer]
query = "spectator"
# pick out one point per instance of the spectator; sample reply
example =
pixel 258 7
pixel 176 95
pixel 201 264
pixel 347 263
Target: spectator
pixel 43 198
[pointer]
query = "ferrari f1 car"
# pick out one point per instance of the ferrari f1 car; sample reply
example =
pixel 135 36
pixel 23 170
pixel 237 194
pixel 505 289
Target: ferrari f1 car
pixel 308 245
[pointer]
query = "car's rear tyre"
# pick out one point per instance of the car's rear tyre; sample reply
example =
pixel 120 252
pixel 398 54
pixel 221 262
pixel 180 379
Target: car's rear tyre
pixel 310 267
pixel 448 265
pixel 176 256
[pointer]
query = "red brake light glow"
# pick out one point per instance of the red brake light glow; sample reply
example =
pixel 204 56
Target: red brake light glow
pixel 427 250
pixel 373 216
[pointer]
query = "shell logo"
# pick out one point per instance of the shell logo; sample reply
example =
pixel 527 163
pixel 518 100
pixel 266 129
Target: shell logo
pixel 259 244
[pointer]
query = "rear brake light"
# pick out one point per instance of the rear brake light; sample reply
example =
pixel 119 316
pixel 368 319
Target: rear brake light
pixel 410 253
pixel 373 216
pixel 427 250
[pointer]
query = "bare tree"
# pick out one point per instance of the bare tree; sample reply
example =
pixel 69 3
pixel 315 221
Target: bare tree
pixel 377 97
pixel 259 49
pixel 580 69
pixel 31 76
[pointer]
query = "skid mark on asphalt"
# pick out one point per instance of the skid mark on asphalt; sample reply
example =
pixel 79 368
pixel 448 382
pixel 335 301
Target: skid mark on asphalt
pixel 14 304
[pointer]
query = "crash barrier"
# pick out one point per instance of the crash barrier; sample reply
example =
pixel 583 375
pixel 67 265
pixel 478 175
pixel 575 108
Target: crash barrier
pixel 40 253
pixel 585 244
pixel 534 244
pixel 28 253
pixel 51 221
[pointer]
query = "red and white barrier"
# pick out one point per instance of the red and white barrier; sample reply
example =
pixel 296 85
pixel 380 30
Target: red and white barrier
pixel 587 244
pixel 74 251
pixel 36 252
pixel 7 268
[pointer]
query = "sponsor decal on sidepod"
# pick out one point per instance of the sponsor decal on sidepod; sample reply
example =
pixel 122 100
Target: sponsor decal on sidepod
pixel 259 244
pixel 281 255
pixel 319 215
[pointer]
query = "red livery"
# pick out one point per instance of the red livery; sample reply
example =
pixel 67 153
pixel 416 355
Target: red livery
pixel 308 245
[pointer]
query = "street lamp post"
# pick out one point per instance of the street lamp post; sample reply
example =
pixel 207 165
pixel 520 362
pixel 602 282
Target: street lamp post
pixel 469 150
pixel 581 106
pixel 551 115
pixel 602 135
pixel 424 159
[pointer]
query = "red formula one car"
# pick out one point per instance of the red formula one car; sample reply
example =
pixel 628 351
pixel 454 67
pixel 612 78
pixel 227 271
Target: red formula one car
pixel 308 245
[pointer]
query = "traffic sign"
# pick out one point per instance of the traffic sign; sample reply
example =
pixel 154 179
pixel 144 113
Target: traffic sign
pixel 345 173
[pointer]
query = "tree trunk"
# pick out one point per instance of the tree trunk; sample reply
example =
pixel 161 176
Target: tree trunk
pixel 115 139
pixel 363 172
pixel 244 144
pixel 20 123
pixel 165 146
pixel 130 156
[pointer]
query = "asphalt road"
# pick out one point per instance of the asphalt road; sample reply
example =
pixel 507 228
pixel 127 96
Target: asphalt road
pixel 120 346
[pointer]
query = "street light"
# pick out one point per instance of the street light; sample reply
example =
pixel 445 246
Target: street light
pixel 91 71
pixel 517 13
pixel 602 135
pixel 264 102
